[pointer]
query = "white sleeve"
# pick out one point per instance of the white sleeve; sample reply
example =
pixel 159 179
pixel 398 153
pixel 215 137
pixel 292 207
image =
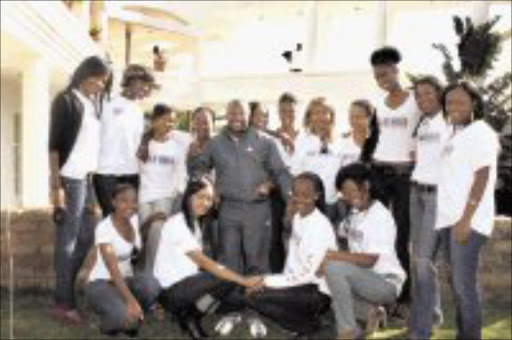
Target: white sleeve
pixel 181 170
pixel 312 252
pixel 136 228
pixel 103 233
pixel 484 149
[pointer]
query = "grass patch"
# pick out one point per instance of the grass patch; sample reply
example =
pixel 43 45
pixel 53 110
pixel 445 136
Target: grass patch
pixel 31 322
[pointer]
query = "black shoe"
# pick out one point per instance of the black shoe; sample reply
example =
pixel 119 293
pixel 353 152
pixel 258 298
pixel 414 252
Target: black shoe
pixel 193 328
pixel 132 333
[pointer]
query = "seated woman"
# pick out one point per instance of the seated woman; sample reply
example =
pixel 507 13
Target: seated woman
pixel 369 272
pixel 297 297
pixel 180 256
pixel 112 291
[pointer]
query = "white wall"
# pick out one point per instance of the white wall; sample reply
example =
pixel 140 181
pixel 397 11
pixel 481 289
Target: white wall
pixel 10 104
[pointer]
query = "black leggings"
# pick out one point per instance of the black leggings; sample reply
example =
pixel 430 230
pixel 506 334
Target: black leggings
pixel 297 309
pixel 180 298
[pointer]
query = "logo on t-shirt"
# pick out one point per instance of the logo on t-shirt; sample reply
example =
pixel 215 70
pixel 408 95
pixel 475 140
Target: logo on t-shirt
pixel 447 150
pixel 394 122
pixel 429 137
pixel 117 110
pixel 162 159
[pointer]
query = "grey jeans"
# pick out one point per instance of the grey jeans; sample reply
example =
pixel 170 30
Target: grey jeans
pixel 245 235
pixel 168 206
pixel 463 260
pixel 107 302
pixel 74 237
pixel 425 243
pixel 353 290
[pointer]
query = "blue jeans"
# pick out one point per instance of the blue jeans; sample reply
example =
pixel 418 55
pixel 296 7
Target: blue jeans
pixel 353 290
pixel 108 303
pixel 75 235
pixel 463 260
pixel 425 243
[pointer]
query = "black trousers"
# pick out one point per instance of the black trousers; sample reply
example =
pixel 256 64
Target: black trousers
pixel 180 299
pixel 393 188
pixel 104 186
pixel 296 309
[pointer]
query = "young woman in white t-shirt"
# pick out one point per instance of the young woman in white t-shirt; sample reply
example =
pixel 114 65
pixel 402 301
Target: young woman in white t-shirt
pixel 180 259
pixel 296 298
pixel 369 272
pixel 465 199
pixel 359 144
pixel 318 150
pixel 73 155
pixel 113 292
pixel 122 126
pixel 398 115
pixel 163 175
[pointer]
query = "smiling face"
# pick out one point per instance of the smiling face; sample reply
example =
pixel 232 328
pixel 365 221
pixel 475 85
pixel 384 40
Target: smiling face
pixel 303 196
pixel 237 120
pixel 125 203
pixel 202 201
pixel 359 118
pixel 459 106
pixel 386 76
pixel 94 84
pixel 202 125
pixel 354 195
pixel 287 114
pixel 427 98
pixel 320 118
pixel 163 124
pixel 259 118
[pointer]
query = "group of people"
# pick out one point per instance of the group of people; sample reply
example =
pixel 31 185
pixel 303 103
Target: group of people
pixel 285 224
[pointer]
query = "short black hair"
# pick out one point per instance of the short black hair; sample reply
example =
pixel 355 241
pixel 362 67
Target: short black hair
pixel 386 55
pixel 287 97
pixel 120 188
pixel 159 110
pixel 360 173
pixel 476 98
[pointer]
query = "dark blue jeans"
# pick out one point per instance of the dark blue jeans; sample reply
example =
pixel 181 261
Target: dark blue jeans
pixel 463 260
pixel 75 235
pixel 425 243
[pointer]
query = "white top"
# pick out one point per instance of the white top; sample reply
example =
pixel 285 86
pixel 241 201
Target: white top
pixel 172 263
pixel 106 233
pixel 350 151
pixel 122 126
pixel 429 139
pixel 83 158
pixel 285 155
pixel 307 157
pixel 396 129
pixel 374 231
pixel 312 236
pixel 470 149
pixel 164 174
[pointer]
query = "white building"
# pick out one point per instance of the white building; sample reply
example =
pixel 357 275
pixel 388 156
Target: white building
pixel 217 50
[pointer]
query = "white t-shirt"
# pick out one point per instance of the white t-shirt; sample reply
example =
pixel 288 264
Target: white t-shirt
pixel 470 149
pixel 106 233
pixel 164 174
pixel 307 157
pixel 312 236
pixel 429 139
pixel 396 129
pixel 172 263
pixel 374 231
pixel 83 158
pixel 122 126
pixel 350 151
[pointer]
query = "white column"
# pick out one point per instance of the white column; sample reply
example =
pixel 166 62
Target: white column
pixel 480 12
pixel 310 47
pixel 34 134
pixel 382 23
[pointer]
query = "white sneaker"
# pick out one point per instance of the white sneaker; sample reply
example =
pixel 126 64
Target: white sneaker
pixel 257 328
pixel 225 325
